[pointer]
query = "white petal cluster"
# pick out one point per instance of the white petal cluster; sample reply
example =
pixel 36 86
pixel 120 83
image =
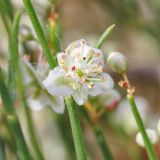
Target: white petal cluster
pixel 79 73
pixel 37 96
pixel 46 100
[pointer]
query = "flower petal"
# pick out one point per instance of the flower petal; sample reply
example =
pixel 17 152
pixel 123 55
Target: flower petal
pixel 101 87
pixel 27 78
pixel 45 100
pixel 65 60
pixel 57 84
pixel 110 97
pixel 80 95
pixel 95 53
pixel 107 84
pixel 35 104
pixel 75 44
pixel 93 91
pixel 58 105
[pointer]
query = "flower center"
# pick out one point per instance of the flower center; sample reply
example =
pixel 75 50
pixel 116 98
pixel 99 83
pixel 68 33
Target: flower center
pixel 79 73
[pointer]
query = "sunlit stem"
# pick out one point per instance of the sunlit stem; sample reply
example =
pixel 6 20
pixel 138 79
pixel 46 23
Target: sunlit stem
pixel 148 145
pixel 76 129
pixel 138 119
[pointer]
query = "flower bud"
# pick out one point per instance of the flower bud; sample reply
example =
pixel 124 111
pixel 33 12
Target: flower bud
pixel 152 135
pixel 117 62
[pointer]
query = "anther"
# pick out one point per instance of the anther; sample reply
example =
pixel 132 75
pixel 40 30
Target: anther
pixel 73 68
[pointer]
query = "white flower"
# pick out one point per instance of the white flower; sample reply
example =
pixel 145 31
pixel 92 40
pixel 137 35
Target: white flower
pixel 79 73
pixel 37 96
pixel 152 135
pixel 117 62
pixel 45 100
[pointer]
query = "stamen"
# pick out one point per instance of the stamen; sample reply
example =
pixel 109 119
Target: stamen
pixel 67 75
pixel 94 79
pixel 74 85
pixel 90 85
pixel 65 68
pixel 82 42
pixel 73 68
pixel 97 54
pixel 90 59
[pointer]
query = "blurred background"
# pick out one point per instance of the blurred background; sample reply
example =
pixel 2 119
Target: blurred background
pixel 136 34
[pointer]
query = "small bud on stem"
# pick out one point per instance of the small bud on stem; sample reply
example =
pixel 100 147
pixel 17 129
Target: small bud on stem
pixel 117 62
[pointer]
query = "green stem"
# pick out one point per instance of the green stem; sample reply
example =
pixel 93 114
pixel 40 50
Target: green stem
pixel 76 129
pixel 9 9
pixel 104 36
pixel 75 124
pixel 2 150
pixel 14 74
pixel 66 136
pixel 99 136
pixel 29 119
pixel 31 131
pixel 22 150
pixel 12 118
pixel 6 93
pixel 13 54
pixel 103 144
pixel 148 145
pixel 40 34
pixel 98 133
pixel 6 11
pixel 3 16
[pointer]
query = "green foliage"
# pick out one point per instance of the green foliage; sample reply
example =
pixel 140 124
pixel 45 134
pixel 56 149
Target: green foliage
pixel 2 151
pixel 76 128
pixel 13 54
pixel 13 120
